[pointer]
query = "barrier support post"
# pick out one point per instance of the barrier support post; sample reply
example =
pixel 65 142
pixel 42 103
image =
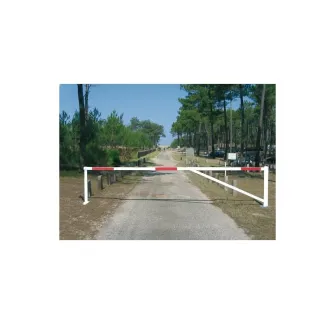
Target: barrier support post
pixel 85 187
pixel 266 187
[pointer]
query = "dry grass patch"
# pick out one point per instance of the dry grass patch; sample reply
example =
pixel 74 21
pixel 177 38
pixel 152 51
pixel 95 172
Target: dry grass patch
pixel 78 221
pixel 152 155
pixel 258 222
pixel 203 162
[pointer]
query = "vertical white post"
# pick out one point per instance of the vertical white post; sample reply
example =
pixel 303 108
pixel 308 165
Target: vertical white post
pixel 85 187
pixel 266 186
pixel 225 172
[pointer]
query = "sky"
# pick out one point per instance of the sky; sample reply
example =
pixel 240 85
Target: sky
pixel 155 102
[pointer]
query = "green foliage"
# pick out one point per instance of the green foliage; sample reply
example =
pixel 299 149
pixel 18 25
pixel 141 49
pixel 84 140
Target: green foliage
pixel 113 158
pixel 204 116
pixel 135 124
pixel 103 134
pixel 95 155
pixel 189 120
pixel 69 149
pixel 174 143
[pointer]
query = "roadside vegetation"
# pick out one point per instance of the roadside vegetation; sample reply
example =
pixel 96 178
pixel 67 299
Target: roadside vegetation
pixel 87 139
pixel 207 122
pixel 78 221
pixel 201 161
pixel 259 223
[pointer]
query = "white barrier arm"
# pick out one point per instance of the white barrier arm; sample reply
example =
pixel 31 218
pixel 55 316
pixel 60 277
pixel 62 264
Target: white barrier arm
pixel 266 187
pixel 220 168
pixel 195 170
pixel 85 187
pixel 229 186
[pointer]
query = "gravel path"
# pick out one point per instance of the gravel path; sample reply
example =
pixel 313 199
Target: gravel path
pixel 167 206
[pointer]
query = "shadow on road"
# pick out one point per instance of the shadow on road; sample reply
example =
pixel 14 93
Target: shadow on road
pixel 242 202
pixel 159 173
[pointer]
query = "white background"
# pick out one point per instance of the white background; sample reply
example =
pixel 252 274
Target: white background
pixel 47 281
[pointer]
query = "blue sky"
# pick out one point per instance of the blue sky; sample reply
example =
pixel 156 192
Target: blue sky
pixel 156 102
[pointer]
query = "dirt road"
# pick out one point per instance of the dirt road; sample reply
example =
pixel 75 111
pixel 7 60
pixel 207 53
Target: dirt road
pixel 167 206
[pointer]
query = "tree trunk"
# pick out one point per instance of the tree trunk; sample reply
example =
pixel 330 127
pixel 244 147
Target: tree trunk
pixel 198 139
pixel 87 87
pixel 242 119
pixel 211 121
pixel 212 133
pixel 247 140
pixel 235 139
pixel 225 128
pixel 267 143
pixel 229 135
pixel 255 128
pixel 258 142
pixel 265 128
pixel 207 138
pixel 212 139
pixel 82 140
pixel 265 135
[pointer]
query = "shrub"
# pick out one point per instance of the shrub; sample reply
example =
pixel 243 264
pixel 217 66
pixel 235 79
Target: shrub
pixel 95 156
pixel 113 158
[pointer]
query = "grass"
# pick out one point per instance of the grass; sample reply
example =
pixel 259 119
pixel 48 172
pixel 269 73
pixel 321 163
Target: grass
pixel 70 173
pixel 202 161
pixel 259 223
pixel 148 156
pixel 133 156
pixel 209 162
pixel 78 221
pixel 148 164
pixel 151 155
pixel 176 156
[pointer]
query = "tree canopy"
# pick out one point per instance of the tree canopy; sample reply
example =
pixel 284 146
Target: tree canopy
pixel 206 122
pixel 89 139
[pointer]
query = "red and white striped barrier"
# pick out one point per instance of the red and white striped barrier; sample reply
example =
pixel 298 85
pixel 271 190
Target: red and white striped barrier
pixel 195 170
pixel 163 168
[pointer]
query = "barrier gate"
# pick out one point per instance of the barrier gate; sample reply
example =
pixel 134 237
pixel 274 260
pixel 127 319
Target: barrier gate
pixel 196 170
